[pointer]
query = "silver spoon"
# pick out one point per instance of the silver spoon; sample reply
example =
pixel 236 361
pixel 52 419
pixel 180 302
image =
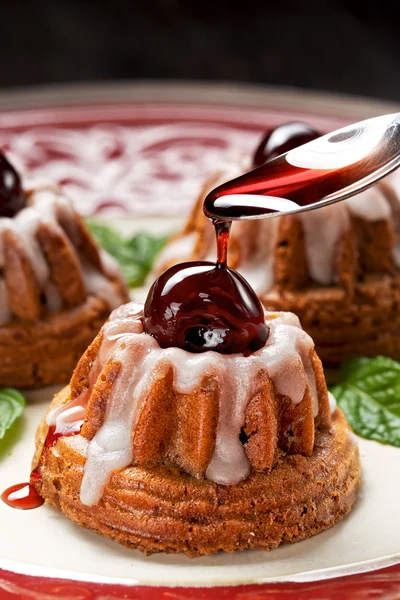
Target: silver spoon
pixel 329 169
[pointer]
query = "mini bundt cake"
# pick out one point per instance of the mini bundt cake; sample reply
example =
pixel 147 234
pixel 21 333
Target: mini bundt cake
pixel 337 268
pixel 57 287
pixel 162 449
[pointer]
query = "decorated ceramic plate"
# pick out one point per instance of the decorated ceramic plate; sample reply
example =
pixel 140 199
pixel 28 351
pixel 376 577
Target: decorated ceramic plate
pixel 135 157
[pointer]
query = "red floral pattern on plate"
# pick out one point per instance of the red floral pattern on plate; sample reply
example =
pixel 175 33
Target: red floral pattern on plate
pixel 139 160
pixel 383 584
pixel 138 170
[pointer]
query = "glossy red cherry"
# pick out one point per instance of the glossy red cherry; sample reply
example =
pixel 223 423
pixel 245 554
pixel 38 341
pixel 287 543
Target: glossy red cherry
pixel 198 306
pixel 282 139
pixel 12 197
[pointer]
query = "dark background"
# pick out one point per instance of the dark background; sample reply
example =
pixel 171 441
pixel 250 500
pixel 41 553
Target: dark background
pixel 343 46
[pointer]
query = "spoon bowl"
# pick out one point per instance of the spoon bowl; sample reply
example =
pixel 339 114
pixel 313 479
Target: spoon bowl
pixel 324 171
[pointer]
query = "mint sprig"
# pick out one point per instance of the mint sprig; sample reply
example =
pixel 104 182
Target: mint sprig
pixel 368 392
pixel 135 254
pixel 12 404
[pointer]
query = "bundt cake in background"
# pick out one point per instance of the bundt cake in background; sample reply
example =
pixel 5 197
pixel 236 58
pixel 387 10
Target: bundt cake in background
pixel 337 268
pixel 167 450
pixel 56 286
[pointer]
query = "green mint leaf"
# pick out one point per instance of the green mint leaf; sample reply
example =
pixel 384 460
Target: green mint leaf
pixel 135 254
pixel 368 392
pixel 12 404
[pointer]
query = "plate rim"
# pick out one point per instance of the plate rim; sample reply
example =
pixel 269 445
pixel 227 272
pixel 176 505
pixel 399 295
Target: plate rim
pixel 367 566
pixel 195 92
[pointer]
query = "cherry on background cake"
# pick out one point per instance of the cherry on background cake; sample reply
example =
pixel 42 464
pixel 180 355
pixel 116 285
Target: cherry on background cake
pixel 337 268
pixel 57 287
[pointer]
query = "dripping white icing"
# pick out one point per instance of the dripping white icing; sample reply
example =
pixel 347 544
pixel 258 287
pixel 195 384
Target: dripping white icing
pixel 324 227
pixel 258 269
pixel 371 205
pixel 322 231
pixel 47 206
pixel 70 420
pixel 332 402
pixel 99 285
pixel 111 447
pixel 352 436
pixel 53 299
pixel 286 358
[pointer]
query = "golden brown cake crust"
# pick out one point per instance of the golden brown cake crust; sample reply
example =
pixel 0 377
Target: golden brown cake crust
pixel 52 305
pixel 368 325
pixel 163 509
pixel 36 354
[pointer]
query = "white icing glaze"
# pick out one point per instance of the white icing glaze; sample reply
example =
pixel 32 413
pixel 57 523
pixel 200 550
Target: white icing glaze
pixel 54 301
pixel 48 206
pixel 371 205
pixel 286 358
pixel 352 436
pixel 258 269
pixel 332 402
pixel 322 231
pixel 67 418
pixel 70 420
pixel 97 284
pixel 324 227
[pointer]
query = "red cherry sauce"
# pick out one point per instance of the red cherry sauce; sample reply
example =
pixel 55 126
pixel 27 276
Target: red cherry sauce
pixel 12 196
pixel 24 495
